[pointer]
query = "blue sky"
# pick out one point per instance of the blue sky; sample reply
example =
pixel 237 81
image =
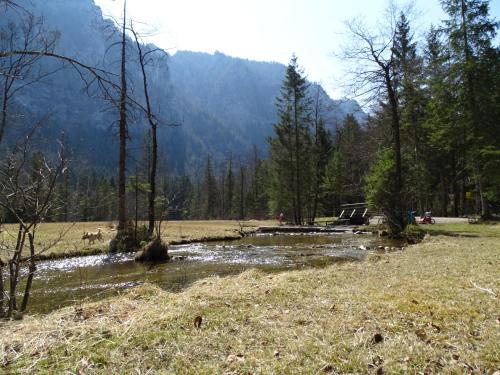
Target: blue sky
pixel 268 30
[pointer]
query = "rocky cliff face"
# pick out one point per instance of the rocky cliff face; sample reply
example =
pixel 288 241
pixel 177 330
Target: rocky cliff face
pixel 223 105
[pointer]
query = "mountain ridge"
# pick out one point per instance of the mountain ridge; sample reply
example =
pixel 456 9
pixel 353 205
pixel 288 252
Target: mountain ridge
pixel 225 105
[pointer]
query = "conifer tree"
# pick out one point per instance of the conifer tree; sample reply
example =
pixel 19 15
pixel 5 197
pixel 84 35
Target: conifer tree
pixel 408 84
pixel 322 149
pixel 209 192
pixel 291 147
pixel 229 191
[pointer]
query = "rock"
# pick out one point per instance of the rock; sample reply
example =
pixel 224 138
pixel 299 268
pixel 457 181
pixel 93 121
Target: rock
pixel 154 251
pixel 383 233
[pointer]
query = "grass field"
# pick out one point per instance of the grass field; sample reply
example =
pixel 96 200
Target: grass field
pixel 432 308
pixel 71 242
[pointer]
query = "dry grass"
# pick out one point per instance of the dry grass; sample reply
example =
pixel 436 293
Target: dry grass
pixel 421 310
pixel 71 243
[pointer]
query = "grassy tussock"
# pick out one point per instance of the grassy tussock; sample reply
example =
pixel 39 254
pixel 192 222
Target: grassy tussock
pixel 416 311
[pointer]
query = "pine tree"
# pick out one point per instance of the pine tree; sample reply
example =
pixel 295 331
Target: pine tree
pixel 240 198
pixel 209 192
pixel 408 77
pixel 322 149
pixel 291 147
pixel 229 191
pixel 445 137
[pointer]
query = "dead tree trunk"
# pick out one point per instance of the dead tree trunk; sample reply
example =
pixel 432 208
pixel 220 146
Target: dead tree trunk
pixel 154 140
pixel 122 208
pixel 31 272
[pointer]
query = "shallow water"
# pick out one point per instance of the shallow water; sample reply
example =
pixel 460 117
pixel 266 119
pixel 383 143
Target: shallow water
pixel 67 281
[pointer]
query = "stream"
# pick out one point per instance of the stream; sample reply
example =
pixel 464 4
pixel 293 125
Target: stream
pixel 63 282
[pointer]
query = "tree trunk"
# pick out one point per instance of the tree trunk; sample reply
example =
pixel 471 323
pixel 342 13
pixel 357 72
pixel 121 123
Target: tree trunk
pixel 485 212
pixel 444 196
pixel 298 219
pixel 136 202
pixel 122 212
pixel 462 197
pixel 154 141
pixel 14 265
pixel 2 291
pixel 399 223
pixel 318 158
pixel 32 269
pixel 3 121
pixel 152 181
pixel 242 194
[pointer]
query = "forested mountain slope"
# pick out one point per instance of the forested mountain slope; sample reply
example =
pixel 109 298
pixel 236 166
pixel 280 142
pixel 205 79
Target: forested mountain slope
pixel 223 105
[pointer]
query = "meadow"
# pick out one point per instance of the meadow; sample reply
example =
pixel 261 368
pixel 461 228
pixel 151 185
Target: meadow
pixel 431 308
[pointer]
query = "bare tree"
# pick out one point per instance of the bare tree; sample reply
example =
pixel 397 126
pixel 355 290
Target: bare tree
pixel 122 211
pixel 153 123
pixel 373 78
pixel 20 71
pixel 27 182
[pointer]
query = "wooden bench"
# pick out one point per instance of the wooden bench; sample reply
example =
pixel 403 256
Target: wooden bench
pixel 355 213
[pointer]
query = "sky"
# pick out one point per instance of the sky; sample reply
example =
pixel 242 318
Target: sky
pixel 267 30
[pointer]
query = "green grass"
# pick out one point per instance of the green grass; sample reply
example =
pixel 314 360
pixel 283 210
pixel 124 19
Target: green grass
pixel 431 304
pixel 483 230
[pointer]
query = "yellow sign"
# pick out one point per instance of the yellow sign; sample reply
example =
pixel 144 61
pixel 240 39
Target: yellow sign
pixel 468 194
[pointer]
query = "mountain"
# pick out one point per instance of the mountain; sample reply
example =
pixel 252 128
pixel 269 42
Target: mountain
pixel 222 105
